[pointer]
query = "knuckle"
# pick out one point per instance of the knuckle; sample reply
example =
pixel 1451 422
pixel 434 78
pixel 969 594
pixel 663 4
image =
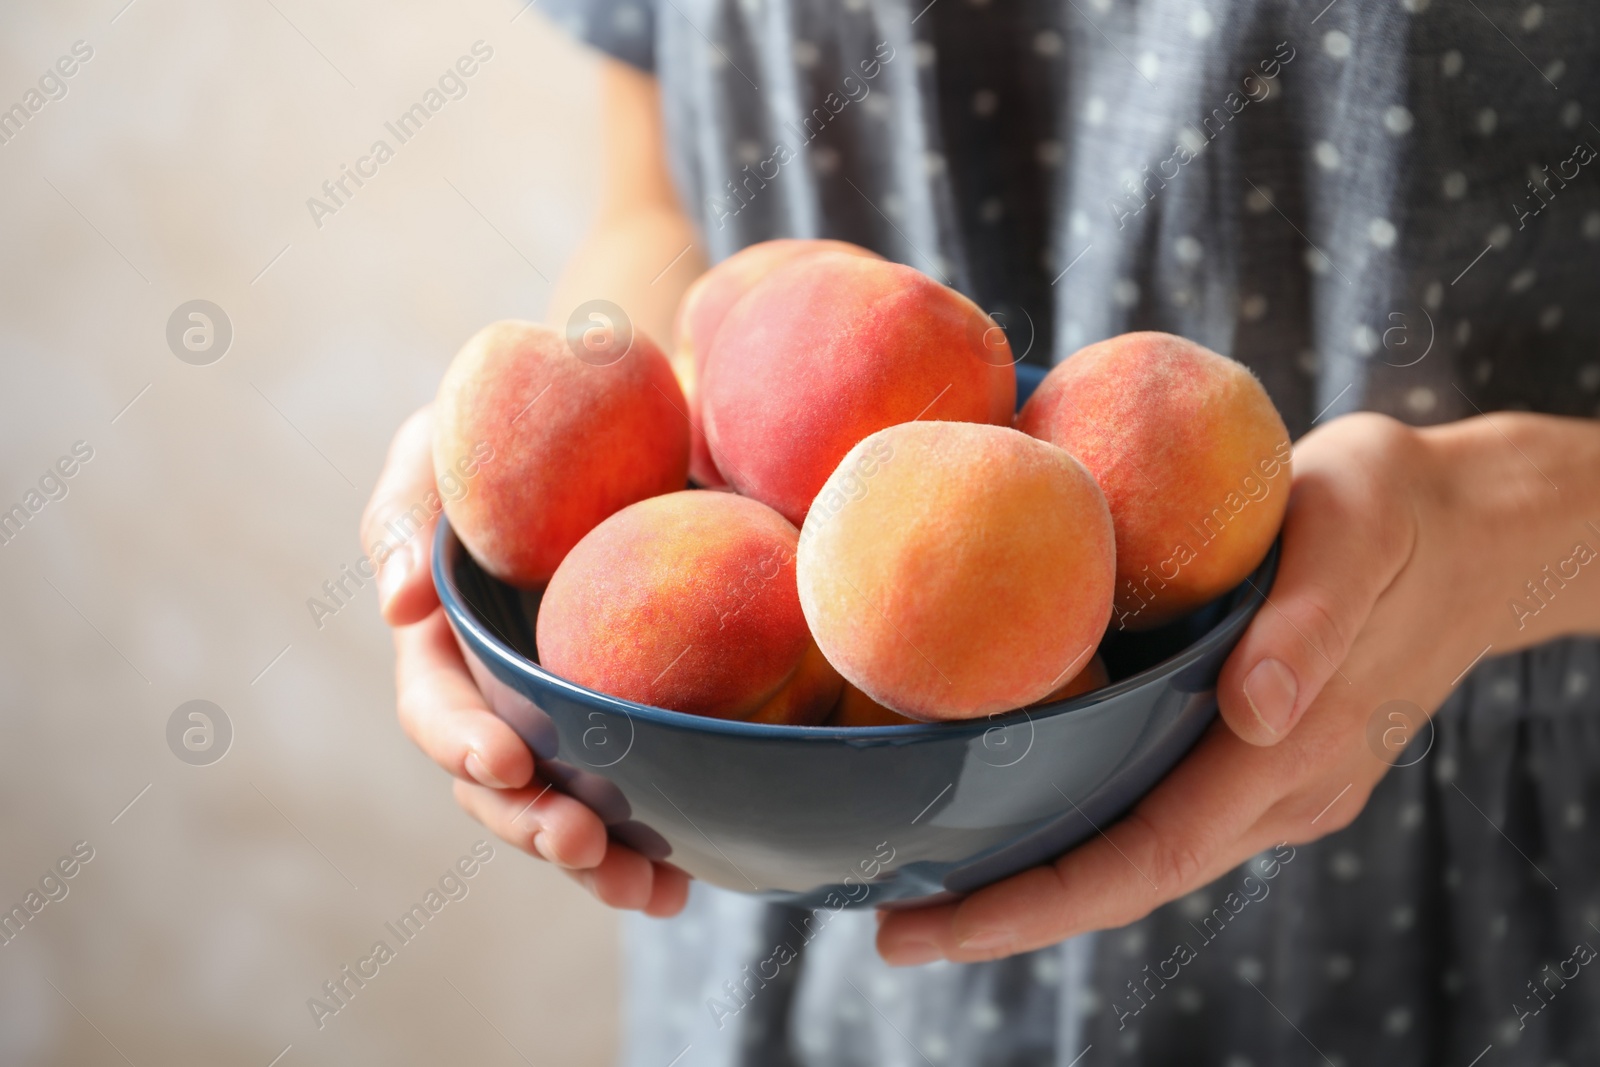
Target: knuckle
pixel 1319 620
pixel 1174 862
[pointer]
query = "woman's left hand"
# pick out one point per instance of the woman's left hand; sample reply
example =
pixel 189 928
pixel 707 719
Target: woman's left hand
pixel 1401 550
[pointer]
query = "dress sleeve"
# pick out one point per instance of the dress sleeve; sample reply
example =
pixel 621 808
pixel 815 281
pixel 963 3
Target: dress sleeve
pixel 622 29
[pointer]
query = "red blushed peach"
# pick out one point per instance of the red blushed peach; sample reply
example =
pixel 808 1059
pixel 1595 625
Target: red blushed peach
pixel 701 311
pixel 688 602
pixel 570 443
pixel 951 570
pixel 830 348
pixel 1192 456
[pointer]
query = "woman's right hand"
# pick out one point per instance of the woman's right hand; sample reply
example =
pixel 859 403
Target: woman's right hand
pixel 442 710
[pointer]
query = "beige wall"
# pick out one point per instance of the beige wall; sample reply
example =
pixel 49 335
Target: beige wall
pixel 177 167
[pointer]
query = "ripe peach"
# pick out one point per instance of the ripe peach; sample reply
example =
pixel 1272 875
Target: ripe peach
pixel 855 708
pixel 830 348
pixel 701 311
pixel 687 601
pixel 950 570
pixel 1191 455
pixel 1092 677
pixel 572 442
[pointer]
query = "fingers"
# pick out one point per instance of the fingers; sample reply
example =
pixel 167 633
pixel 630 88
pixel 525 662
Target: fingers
pixel 400 518
pixel 443 712
pixel 548 824
pixel 1347 534
pixel 1194 827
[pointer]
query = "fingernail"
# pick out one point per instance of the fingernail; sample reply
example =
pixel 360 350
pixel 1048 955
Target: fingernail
pixel 1270 691
pixel 985 940
pixel 911 953
pixel 480 772
pixel 393 574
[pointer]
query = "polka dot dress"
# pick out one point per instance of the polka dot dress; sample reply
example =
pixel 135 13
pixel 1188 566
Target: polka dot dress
pixel 1386 205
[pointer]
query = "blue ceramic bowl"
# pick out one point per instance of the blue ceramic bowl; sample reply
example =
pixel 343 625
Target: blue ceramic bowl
pixel 841 817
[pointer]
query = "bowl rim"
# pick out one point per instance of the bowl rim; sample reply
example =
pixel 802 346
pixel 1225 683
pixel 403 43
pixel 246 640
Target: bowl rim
pixel 463 617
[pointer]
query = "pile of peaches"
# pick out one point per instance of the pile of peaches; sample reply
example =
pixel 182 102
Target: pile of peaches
pixel 876 535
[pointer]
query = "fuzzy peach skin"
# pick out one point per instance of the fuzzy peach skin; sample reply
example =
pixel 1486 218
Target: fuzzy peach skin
pixel 951 570
pixel 701 311
pixel 830 348
pixel 571 441
pixel 688 602
pixel 1192 457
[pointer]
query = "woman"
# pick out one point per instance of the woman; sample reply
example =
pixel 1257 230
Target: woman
pixel 1390 212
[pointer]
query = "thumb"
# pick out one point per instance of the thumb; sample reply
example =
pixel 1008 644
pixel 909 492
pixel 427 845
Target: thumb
pixel 398 523
pixel 1344 541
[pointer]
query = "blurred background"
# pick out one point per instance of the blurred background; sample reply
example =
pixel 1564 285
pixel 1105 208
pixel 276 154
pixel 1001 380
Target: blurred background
pixel 174 164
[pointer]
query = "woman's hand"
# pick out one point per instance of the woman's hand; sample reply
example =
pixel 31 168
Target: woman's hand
pixel 1401 550
pixel 441 709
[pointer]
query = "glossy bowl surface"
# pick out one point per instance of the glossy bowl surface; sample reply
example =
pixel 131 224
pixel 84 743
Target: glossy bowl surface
pixel 842 817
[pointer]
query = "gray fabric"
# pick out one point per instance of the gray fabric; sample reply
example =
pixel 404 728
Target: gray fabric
pixel 1337 195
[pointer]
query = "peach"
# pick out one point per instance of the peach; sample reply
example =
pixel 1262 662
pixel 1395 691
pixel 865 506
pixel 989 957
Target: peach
pixel 830 348
pixel 571 442
pixel 1092 677
pixel 951 570
pixel 701 311
pixel 1191 455
pixel 855 708
pixel 688 601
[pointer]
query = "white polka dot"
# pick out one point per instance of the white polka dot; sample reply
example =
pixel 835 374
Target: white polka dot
pixel 1403 918
pixel 855 7
pixel 1079 221
pixel 1398 120
pixel 1253 307
pixel 1450 63
pixel 1133 942
pixel 825 160
pixel 935 1047
pixel 1188 250
pixel 1308 361
pixel 1421 400
pixel 1397 1022
pixel 1571 114
pixel 1101 6
pixel 1575 816
pixel 1381 232
pixel 806 54
pixel 1433 295
pixel 984 102
pixel 1248 968
pixel 1589 377
pixel 850 1009
pixel 1336 43
pixel 877 105
pixel 1451 981
pixel 1094 110
pixel 1258 201
pixel 1444 768
pixel 1182 297
pixel 1411 816
pixel 1416 7
pixel 1200 23
pixel 1498 925
pixel 883 987
pixel 1345 866
pixel 1365 338
pixel 1316 262
pixel 925 53
pixel 978 3
pixel 985 1016
pixel 1190 1000
pixel 1236 1060
pixel 1487 120
pixel 1500 236
pixel 1451 878
pixel 1339 967
pixel 1483 372
pixel 1047 43
pixel 1046 969
pixel 1523 280
pixel 1532 17
pixel 1150 66
pixel 1463 332
pixel 991 209
pixel 1556 68
pixel 1326 155
pixel 1192 139
pixel 1455 185
pixel 1194 905
pixel 712 58
pixel 1550 318
pixel 1048 152
pixel 1125 292
pixel 893 205
pixel 1591 226
pixel 933 163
